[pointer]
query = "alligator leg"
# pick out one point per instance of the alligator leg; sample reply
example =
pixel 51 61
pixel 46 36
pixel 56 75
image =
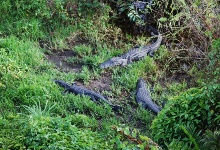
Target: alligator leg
pixel 93 98
pixel 151 53
pixel 129 60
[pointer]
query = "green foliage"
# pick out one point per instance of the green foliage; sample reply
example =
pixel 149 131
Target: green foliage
pixel 13 49
pixel 28 80
pixel 84 75
pixel 86 55
pixel 86 7
pixel 38 19
pixel 211 140
pixel 60 133
pixel 31 18
pixel 189 131
pixel 136 140
pixel 146 117
pixel 37 112
pixel 214 61
pixel 178 145
pixel 83 121
pixel 196 107
pixel 34 114
pixel 45 132
pixel 82 50
pixel 133 14
pixel 84 105
pixel 10 135
pixel 16 73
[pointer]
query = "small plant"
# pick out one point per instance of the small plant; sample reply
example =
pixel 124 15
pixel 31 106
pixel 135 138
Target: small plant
pixel 132 139
pixel 145 116
pixel 134 16
pixel 36 111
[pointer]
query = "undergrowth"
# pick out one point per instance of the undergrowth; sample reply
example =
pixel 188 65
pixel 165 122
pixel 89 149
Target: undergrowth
pixel 36 114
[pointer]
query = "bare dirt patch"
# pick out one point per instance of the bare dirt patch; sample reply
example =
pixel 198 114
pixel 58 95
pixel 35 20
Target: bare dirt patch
pixel 104 83
pixel 59 58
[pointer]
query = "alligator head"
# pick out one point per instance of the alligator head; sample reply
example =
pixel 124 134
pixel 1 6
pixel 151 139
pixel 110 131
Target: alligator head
pixel 115 61
pixel 141 83
pixel 62 84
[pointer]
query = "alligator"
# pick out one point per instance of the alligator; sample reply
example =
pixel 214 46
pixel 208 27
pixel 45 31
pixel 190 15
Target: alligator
pixel 134 54
pixel 143 97
pixel 96 97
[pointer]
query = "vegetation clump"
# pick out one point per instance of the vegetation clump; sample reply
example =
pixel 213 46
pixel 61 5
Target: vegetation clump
pixel 184 74
pixel 39 130
pixel 196 108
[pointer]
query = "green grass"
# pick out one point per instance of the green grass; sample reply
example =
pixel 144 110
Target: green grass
pixel 27 87
pixel 34 111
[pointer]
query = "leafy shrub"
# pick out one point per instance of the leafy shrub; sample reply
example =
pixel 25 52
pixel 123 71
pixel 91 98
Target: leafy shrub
pixel 196 107
pixel 178 145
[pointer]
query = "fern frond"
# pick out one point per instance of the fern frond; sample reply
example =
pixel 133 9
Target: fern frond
pixel 194 136
pixel 211 140
pixel 178 145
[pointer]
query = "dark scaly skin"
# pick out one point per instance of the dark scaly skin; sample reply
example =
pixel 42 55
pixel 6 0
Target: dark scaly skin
pixel 143 97
pixel 133 55
pixel 83 91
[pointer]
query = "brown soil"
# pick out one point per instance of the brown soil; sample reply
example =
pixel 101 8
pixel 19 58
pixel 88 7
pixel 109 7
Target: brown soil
pixel 98 84
pixel 59 58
